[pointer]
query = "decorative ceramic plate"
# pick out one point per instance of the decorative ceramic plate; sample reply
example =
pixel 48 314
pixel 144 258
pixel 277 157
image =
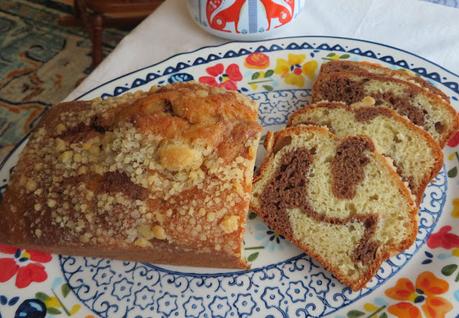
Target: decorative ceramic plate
pixel 283 282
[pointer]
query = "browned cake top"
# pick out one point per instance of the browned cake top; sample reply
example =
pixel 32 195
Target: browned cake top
pixel 374 68
pixel 173 164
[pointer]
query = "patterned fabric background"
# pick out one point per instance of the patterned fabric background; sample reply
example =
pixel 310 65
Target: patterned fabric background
pixel 40 63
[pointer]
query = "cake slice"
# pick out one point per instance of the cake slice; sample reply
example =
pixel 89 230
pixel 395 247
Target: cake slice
pixel 335 198
pixel 425 109
pixel 377 69
pixel 163 176
pixel 417 157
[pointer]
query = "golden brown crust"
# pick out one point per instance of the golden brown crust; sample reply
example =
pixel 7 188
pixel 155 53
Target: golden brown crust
pixel 387 112
pixel 165 171
pixel 412 89
pixel 389 249
pixel 364 66
pixel 163 254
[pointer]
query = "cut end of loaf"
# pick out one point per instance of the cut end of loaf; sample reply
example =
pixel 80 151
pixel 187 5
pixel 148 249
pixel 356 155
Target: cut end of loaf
pixel 336 199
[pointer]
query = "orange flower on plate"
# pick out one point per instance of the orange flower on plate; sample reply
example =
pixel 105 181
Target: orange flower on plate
pixel 425 293
pixel 405 310
pixel 257 60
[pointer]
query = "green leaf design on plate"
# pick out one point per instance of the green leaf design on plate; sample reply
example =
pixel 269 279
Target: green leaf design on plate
pixel 457 277
pixel 65 290
pixel 255 75
pixel 355 313
pixel 452 173
pixel 42 296
pixel 383 315
pixel 448 269
pixel 269 73
pixel 344 56
pixel 253 256
pixel 330 55
pixel 53 311
pixel 269 88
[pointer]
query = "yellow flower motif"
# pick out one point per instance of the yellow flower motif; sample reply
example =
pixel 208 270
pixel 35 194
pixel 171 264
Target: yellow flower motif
pixel 75 308
pixel 455 252
pixel 25 254
pixel 293 70
pixel 455 212
pixel 309 69
pixel 370 307
pixel 294 79
pixel 52 302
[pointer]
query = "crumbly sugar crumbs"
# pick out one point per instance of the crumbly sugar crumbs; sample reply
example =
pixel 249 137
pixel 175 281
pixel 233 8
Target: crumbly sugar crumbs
pixel 180 190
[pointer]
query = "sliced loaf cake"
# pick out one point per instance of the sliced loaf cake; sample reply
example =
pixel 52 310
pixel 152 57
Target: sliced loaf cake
pixel 335 198
pixel 415 154
pixel 423 108
pixel 161 176
pixel 377 69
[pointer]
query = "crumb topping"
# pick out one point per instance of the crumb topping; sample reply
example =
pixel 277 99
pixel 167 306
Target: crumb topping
pixel 174 165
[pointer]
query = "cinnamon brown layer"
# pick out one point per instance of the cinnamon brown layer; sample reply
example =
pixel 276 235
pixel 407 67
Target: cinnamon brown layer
pixel 366 114
pixel 348 164
pixel 403 105
pixel 366 251
pixel 339 89
pixel 288 190
pixel 377 69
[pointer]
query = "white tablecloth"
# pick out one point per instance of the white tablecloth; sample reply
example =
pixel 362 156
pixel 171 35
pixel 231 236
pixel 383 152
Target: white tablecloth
pixel 427 29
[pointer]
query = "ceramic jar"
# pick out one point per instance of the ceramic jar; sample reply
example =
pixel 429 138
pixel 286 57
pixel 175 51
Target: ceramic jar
pixel 244 19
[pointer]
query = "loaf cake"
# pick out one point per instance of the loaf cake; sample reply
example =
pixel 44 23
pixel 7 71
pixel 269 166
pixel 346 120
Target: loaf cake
pixel 377 69
pixel 163 176
pixel 417 157
pixel 425 109
pixel 336 199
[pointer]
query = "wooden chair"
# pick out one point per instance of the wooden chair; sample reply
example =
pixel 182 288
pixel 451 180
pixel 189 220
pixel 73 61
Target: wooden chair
pixel 95 15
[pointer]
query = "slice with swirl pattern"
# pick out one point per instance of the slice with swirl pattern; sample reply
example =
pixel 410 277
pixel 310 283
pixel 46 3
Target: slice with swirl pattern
pixel 335 198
